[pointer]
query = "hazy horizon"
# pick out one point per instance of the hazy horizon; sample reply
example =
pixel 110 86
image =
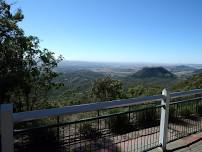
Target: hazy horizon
pixel 122 62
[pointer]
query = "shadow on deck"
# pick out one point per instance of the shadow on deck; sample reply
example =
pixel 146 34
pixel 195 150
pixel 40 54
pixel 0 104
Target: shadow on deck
pixel 192 143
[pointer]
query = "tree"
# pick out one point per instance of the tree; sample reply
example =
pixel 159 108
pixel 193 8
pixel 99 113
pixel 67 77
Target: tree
pixel 141 90
pixel 107 89
pixel 136 91
pixel 26 70
pixel 193 82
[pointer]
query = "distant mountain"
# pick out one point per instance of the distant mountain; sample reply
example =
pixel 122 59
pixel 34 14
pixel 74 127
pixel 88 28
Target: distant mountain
pixel 153 72
pixel 181 68
pixel 198 71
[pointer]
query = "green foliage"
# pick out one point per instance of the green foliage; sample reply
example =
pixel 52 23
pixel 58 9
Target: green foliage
pixel 141 90
pixel 43 140
pixel 172 113
pixel 136 91
pixel 194 82
pixel 77 80
pixel 116 110
pixel 89 132
pixel 47 105
pixel 107 89
pixel 121 124
pixel 11 39
pixel 26 70
pixel 199 110
pixel 147 118
pixel 186 112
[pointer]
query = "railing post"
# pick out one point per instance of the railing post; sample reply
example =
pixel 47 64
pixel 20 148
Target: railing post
pixel 6 118
pixel 164 119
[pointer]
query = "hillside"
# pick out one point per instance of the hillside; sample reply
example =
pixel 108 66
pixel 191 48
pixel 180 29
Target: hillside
pixel 198 71
pixel 157 72
pixel 77 84
pixel 78 80
pixel 181 68
pixel 194 82
pixel 155 76
pixel 81 80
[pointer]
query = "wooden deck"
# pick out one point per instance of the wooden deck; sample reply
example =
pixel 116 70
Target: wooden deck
pixel 192 143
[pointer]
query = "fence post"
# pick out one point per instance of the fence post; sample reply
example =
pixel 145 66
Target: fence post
pixel 6 118
pixel 164 119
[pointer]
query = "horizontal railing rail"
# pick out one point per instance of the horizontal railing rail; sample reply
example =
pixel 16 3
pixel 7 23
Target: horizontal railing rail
pixel 87 119
pixel 8 118
pixel 39 114
pixel 185 100
pixel 103 130
pixel 185 93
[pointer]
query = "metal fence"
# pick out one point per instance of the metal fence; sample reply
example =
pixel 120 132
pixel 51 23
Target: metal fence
pixel 185 118
pixel 127 125
pixel 130 131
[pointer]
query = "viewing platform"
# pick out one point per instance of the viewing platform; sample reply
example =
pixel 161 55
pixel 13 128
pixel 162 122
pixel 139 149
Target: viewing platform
pixel 150 123
pixel 192 143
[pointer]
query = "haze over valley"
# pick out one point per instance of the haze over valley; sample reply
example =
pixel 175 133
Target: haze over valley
pixel 79 76
pixel 120 70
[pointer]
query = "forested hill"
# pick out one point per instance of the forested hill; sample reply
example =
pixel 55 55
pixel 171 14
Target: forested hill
pixel 78 80
pixel 150 80
pixel 157 72
pixel 194 82
pixel 198 71
pixel 181 68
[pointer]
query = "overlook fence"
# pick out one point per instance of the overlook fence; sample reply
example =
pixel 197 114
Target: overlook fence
pixel 141 124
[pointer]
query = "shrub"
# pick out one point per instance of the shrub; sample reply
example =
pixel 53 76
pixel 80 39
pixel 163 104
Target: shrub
pixel 172 113
pixel 41 140
pixel 121 124
pixel 199 110
pixel 89 132
pixel 116 110
pixel 147 118
pixel 186 112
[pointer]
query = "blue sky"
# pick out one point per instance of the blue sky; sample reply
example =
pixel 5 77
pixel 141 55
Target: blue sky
pixel 159 31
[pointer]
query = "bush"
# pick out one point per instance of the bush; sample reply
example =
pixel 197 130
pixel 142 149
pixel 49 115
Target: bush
pixel 147 118
pixel 41 140
pixel 116 110
pixel 186 112
pixel 121 124
pixel 89 132
pixel 199 110
pixel 172 113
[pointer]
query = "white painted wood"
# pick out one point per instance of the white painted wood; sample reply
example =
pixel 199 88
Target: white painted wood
pixel 38 114
pixel 164 119
pixel 7 141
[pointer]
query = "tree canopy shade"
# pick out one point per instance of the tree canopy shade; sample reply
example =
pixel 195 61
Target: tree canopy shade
pixel 26 70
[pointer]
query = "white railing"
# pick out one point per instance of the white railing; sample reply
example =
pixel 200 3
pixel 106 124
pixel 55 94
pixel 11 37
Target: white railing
pixel 8 118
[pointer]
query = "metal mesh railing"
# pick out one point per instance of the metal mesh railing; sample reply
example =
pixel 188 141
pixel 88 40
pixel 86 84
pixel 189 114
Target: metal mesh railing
pixel 134 130
pixel 130 129
pixel 185 118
